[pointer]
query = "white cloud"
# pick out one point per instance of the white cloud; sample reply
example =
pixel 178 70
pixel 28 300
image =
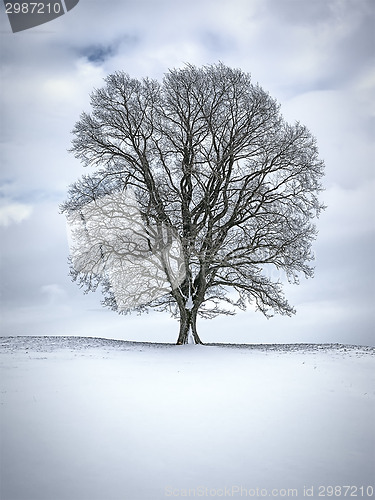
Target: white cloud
pixel 54 292
pixel 14 213
pixel 69 92
pixel 364 88
pixel 349 211
pixel 341 127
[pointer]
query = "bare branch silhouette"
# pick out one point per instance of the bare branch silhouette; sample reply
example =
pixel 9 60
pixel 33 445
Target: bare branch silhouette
pixel 200 187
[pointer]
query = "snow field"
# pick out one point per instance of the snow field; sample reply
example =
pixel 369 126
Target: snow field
pixel 145 422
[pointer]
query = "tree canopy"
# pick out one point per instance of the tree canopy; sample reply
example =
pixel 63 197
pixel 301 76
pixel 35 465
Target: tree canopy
pixel 199 188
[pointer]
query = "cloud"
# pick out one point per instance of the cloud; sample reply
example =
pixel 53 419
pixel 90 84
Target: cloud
pixel 320 45
pixel 341 121
pixel 352 206
pixel 54 292
pixel 14 213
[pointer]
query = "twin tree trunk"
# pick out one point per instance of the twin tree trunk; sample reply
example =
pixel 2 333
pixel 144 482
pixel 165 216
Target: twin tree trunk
pixel 188 326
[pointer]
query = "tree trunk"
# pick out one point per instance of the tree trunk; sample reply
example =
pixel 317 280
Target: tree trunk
pixel 188 326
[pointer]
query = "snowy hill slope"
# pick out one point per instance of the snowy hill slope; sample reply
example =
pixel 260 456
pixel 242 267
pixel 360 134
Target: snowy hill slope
pixel 96 419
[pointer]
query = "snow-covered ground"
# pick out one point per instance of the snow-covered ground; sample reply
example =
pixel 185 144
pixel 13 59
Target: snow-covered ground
pixel 94 419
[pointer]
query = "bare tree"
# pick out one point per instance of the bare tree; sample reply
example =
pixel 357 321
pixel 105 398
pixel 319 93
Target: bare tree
pixel 200 188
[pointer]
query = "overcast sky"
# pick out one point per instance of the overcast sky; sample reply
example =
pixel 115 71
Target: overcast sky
pixel 315 57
